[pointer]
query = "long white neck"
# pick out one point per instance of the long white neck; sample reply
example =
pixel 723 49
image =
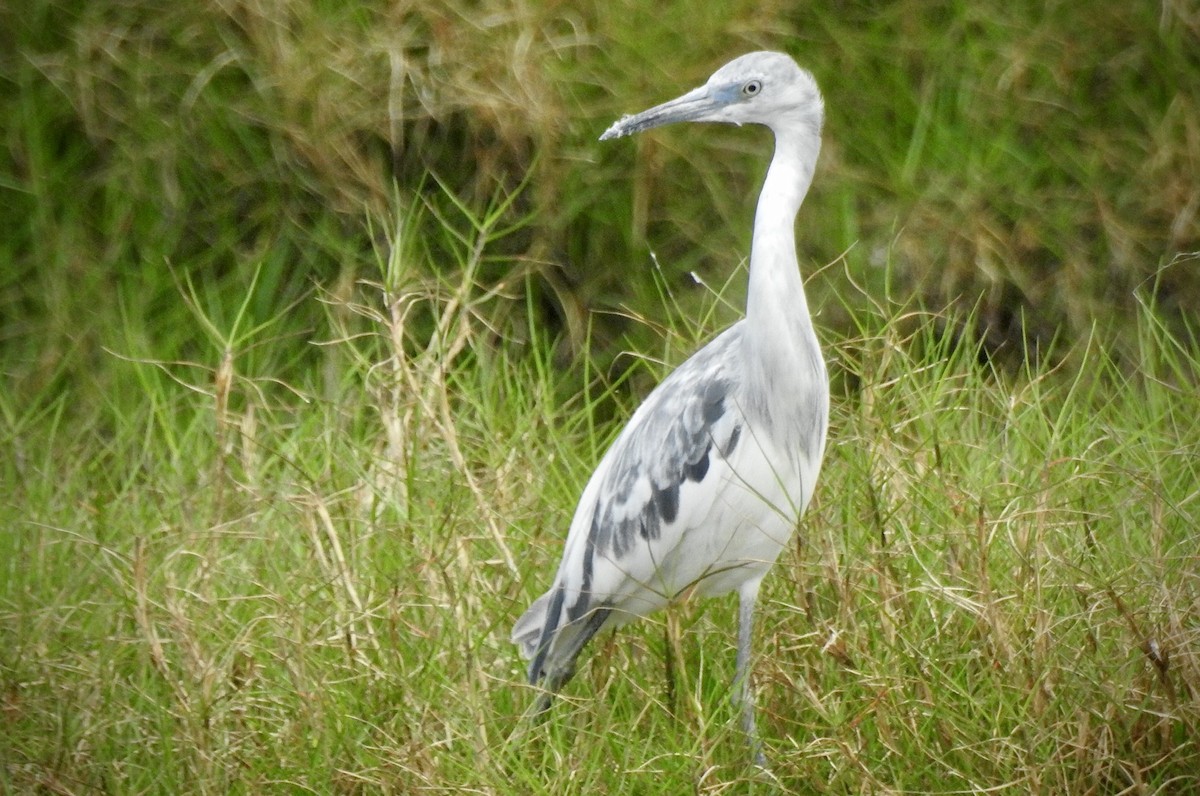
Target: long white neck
pixel 774 272
pixel 786 387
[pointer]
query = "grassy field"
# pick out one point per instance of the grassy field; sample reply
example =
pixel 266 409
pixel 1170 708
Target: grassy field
pixel 295 409
pixel 235 583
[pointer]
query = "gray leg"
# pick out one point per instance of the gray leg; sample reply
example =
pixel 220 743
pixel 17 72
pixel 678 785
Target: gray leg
pixel 743 696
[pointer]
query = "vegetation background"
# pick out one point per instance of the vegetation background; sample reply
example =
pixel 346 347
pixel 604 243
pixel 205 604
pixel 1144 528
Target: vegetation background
pixel 315 316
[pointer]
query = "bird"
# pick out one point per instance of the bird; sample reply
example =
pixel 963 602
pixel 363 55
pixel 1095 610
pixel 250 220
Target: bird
pixel 704 487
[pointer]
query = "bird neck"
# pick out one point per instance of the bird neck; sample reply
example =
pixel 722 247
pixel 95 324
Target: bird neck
pixel 776 292
pixel 786 389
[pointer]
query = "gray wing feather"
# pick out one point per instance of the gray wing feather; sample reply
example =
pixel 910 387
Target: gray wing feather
pixel 673 445
pixel 669 441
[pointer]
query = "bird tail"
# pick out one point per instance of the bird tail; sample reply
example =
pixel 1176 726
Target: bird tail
pixel 528 630
pixel 552 647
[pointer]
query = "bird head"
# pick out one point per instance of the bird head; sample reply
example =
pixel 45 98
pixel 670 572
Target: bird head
pixel 765 88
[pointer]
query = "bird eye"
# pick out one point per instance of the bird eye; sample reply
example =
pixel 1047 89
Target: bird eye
pixel 751 88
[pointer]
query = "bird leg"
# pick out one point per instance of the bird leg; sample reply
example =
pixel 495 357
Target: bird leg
pixel 669 642
pixel 743 696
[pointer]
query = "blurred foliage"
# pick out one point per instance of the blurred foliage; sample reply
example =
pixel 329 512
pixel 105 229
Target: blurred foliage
pixel 1036 160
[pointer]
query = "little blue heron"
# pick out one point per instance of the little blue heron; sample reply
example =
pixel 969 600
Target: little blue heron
pixel 702 490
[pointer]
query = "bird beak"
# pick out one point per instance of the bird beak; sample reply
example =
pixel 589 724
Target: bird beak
pixel 691 107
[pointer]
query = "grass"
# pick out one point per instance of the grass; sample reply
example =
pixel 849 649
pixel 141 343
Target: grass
pixel 310 335
pixel 241 584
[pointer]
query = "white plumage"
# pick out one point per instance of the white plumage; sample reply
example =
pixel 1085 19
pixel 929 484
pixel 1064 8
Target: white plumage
pixel 704 487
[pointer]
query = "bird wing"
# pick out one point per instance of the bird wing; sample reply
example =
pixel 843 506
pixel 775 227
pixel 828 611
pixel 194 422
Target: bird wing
pixel 631 517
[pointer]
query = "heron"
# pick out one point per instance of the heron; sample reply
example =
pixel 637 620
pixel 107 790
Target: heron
pixel 705 485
